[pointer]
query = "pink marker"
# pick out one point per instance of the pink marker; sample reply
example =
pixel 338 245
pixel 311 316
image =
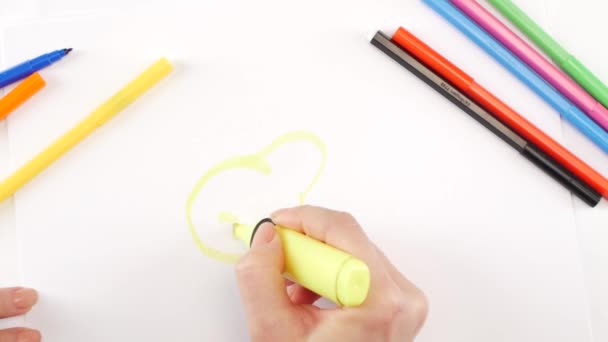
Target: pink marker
pixel 558 79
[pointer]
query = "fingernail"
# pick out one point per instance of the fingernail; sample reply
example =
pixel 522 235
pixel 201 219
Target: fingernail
pixel 264 235
pixel 23 298
pixel 28 336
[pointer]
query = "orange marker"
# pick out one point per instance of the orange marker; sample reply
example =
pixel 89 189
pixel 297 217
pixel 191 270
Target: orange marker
pixel 20 94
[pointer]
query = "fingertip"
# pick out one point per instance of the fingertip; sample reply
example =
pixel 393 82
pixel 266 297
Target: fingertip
pixel 20 335
pixel 24 298
pixel 264 235
pixel 29 335
pixel 35 296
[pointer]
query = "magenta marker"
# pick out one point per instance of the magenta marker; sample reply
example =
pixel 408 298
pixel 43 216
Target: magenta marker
pixel 554 76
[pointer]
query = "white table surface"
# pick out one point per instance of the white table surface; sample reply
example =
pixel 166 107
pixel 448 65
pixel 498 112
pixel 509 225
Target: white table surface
pixel 579 26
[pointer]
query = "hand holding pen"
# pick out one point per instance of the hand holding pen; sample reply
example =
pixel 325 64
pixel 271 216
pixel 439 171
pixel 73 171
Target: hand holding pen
pixel 394 310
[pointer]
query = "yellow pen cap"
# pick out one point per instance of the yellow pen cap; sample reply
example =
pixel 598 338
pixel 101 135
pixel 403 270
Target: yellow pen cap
pixel 319 267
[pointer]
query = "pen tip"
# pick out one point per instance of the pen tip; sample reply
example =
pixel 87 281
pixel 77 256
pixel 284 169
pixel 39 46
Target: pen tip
pixel 67 50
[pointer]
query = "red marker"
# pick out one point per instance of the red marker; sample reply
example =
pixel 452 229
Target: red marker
pixel 510 117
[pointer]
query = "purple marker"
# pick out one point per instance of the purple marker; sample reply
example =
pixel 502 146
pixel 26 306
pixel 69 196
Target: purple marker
pixel 558 79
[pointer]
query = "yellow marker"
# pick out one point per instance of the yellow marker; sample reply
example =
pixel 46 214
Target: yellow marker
pixel 100 116
pixel 321 268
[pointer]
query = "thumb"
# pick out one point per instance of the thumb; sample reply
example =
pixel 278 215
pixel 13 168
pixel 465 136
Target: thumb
pixel 260 276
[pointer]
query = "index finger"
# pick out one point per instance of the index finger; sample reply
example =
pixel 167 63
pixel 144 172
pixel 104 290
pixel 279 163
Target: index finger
pixel 336 228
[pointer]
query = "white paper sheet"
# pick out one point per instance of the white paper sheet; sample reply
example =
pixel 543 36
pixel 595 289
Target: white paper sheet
pixel 104 237
pixel 577 26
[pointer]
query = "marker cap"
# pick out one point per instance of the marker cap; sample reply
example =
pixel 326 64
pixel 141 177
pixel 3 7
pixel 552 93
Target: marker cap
pixel 353 282
pixel 20 94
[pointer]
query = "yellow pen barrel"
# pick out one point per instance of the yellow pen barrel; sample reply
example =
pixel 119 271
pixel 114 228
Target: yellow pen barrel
pixel 319 267
pixel 323 269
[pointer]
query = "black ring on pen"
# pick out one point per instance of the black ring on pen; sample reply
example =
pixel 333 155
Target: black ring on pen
pixel 257 226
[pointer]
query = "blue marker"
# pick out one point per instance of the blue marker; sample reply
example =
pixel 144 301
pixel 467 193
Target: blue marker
pixel 27 68
pixel 566 108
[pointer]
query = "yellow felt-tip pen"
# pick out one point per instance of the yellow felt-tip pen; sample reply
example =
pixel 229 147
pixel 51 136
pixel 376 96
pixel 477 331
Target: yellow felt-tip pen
pixel 101 115
pixel 319 267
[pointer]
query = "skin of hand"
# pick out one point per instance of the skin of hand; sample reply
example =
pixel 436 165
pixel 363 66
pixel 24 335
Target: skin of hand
pixel 395 309
pixel 17 301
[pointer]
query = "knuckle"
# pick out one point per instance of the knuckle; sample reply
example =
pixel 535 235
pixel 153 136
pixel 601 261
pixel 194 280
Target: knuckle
pixel 343 218
pixel 388 307
pixel 413 310
pixel 418 308
pixel 395 304
pixel 400 308
pixel 402 315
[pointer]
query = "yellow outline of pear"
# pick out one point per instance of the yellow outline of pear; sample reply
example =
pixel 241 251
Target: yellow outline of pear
pixel 256 162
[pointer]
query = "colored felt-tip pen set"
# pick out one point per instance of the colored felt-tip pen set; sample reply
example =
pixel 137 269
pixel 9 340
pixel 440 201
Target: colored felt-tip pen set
pixel 568 86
